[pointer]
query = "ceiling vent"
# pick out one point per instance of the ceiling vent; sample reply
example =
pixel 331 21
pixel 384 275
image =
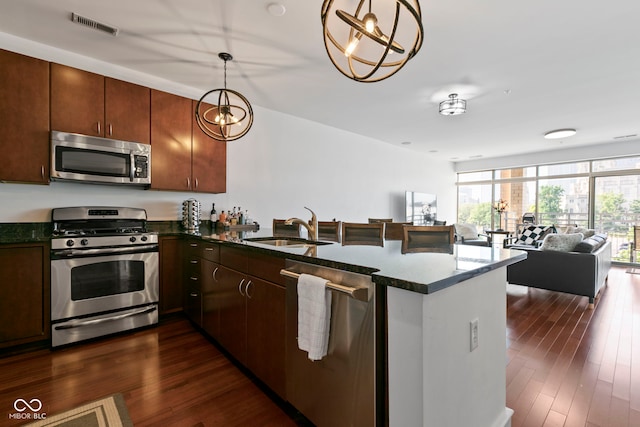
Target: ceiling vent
pixel 87 22
pixel 625 136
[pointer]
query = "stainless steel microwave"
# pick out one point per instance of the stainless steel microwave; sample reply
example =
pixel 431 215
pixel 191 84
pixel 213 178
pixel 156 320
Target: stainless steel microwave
pixel 85 158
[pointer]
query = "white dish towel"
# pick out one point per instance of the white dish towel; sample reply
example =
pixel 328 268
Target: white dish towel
pixel 314 315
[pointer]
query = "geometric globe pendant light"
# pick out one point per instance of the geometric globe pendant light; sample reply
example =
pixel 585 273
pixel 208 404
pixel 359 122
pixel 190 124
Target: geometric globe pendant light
pixel 228 116
pixel 373 40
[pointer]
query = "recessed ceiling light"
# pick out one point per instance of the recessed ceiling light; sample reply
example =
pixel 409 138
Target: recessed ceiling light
pixel 559 133
pixel 276 9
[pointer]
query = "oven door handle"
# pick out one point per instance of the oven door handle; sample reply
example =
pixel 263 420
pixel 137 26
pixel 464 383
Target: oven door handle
pixel 81 323
pixel 105 251
pixel 132 169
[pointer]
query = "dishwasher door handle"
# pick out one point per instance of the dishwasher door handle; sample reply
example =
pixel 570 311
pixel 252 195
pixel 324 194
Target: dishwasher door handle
pixel 361 294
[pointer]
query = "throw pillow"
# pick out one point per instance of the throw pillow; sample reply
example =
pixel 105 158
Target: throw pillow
pixel 587 232
pixel 561 242
pixel 533 233
pixel 466 231
pixel 591 244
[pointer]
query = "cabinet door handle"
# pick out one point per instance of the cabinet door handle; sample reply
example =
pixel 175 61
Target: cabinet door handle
pixel 246 289
pixel 208 249
pixel 193 245
pixel 193 294
pixel 99 132
pixel 195 279
pixel 42 171
pixel 188 182
pixel 196 183
pixel 240 288
pixel 110 129
pixel 194 261
pixel 213 274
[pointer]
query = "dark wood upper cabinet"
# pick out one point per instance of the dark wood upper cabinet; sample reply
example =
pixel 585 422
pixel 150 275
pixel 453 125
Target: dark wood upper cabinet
pixel 209 161
pixel 91 104
pixel 77 101
pixel 38 96
pixel 24 118
pixel 127 111
pixel 170 142
pixel 183 158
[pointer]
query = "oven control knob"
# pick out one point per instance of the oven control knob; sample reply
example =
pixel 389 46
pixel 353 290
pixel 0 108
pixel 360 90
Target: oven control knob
pixel 132 239
pixel 84 242
pixel 70 242
pixel 143 238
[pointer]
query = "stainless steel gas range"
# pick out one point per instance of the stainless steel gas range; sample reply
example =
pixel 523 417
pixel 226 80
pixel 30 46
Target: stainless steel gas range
pixel 104 272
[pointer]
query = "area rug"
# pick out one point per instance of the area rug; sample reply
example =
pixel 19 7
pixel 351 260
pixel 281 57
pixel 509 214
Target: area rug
pixel 108 412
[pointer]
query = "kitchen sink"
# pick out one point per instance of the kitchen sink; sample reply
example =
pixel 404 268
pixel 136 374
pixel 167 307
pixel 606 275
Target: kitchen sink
pixel 290 242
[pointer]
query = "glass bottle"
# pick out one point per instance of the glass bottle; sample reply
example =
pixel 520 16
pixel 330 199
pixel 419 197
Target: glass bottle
pixel 214 214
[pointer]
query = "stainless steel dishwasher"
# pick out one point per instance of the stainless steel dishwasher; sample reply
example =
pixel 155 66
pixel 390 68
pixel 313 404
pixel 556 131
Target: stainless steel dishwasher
pixel 339 389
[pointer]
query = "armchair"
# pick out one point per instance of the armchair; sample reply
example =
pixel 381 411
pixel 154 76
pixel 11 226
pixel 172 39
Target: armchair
pixel 467 234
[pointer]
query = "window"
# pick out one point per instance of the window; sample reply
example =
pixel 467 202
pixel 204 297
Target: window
pixel 563 201
pixel 603 194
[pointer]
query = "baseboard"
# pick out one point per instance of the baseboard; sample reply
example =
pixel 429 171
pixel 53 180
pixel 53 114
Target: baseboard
pixel 505 419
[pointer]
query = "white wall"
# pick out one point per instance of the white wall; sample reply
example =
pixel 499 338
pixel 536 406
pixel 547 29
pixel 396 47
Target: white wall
pixel 281 165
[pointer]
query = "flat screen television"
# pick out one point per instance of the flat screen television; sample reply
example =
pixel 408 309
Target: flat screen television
pixel 420 208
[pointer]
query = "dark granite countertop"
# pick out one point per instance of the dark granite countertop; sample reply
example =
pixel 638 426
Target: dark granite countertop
pixel 418 272
pixel 29 232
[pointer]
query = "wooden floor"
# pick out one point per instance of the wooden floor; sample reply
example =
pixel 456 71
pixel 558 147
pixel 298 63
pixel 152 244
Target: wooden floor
pixel 571 366
pixel 567 366
pixel 169 376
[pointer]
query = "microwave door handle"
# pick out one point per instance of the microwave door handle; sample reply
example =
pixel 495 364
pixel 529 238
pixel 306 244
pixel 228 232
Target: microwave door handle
pixel 132 169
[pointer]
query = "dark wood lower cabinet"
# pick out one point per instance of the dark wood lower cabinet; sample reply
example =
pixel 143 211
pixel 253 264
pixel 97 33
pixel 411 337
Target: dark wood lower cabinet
pixel 24 294
pixel 191 281
pixel 266 333
pixel 210 301
pixel 244 313
pixel 171 293
pixel 232 311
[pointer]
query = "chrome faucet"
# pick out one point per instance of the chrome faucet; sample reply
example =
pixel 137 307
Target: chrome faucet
pixel 311 226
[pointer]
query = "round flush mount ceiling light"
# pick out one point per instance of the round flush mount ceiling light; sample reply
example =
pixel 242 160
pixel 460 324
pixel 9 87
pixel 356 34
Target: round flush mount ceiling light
pixel 559 133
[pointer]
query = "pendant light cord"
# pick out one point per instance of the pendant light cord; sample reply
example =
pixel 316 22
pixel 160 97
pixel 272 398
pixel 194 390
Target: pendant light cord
pixel 225 74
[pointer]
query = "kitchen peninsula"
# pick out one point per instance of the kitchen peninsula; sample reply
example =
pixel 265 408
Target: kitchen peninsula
pixel 440 371
pixel 432 374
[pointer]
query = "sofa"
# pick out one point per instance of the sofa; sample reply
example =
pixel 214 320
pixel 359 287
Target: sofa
pixel 567 263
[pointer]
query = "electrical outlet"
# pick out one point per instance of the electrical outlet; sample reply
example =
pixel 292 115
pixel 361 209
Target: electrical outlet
pixel 474 334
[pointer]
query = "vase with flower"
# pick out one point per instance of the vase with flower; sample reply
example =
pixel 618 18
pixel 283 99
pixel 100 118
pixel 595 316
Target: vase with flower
pixel 500 206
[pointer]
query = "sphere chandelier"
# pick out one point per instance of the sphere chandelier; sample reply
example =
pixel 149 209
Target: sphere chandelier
pixel 374 41
pixel 229 115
